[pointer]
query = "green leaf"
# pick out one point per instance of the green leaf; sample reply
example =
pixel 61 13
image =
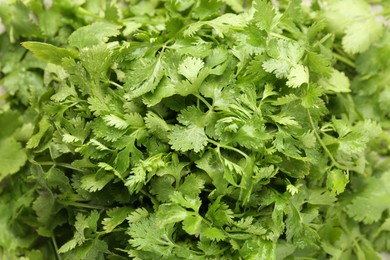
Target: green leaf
pixel 219 213
pixel 187 138
pixel 336 181
pixel 192 224
pixel 192 202
pixel 319 63
pixel 298 76
pixel 369 205
pixel 140 82
pixel 34 141
pixel 170 213
pixel 337 83
pixel 93 34
pixel 213 233
pixel 190 68
pixel 115 217
pixel 355 41
pixel 115 121
pixel 82 223
pixel 48 52
pixel 12 157
pixel 258 249
pixel 265 15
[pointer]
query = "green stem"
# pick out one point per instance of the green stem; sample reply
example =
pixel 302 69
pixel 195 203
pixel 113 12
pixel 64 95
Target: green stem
pixel 54 242
pixel 227 147
pixel 276 35
pixel 81 205
pixel 209 106
pixel 345 60
pixel 83 12
pixel 334 162
pixel 64 165
pixel 102 233
pixel 115 84
pixel 154 201
pixel 346 230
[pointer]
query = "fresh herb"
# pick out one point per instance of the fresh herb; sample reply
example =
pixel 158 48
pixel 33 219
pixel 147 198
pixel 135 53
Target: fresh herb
pixel 186 129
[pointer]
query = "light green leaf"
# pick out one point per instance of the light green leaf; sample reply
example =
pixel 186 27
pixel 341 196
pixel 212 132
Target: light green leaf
pixel 12 157
pixel 190 68
pixel 48 52
pixel 213 233
pixel 115 217
pixel 299 75
pixel 337 83
pixel 93 34
pixel 360 35
pixel 116 121
pixel 44 125
pixel 187 138
pixel 171 213
pixel 336 181
pixel 192 224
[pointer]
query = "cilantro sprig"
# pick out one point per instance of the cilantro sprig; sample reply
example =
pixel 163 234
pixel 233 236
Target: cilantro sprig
pixel 208 129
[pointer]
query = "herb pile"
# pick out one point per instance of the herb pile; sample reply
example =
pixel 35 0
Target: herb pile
pixel 194 129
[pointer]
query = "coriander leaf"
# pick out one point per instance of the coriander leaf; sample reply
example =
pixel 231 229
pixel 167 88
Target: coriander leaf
pixel 336 181
pixel 170 213
pixel 95 181
pixel 284 56
pixel 115 121
pixel 355 41
pixel 187 201
pixel 298 76
pixel 115 217
pixel 184 138
pixel 319 63
pixel 44 125
pixel 140 82
pixel 373 200
pixel 214 234
pixel 48 52
pixel 93 34
pixel 12 157
pixel 219 213
pixel 147 235
pixel 192 224
pixel 190 68
pixel 338 82
pixel 265 15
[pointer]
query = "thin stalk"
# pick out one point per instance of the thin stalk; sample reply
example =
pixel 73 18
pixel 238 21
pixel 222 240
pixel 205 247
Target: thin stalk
pixel 333 160
pixel 345 60
pixel 54 242
pixel 209 106
pixel 81 205
pixel 276 35
pixel 115 84
pixel 227 147
pixel 64 165
pixel 155 202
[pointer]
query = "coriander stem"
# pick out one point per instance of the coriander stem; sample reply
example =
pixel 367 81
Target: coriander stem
pixel 115 84
pixel 81 205
pixel 210 107
pixel 345 60
pixel 54 242
pixel 64 165
pixel 334 162
pixel 228 147
pixel 155 202
pixel 276 35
